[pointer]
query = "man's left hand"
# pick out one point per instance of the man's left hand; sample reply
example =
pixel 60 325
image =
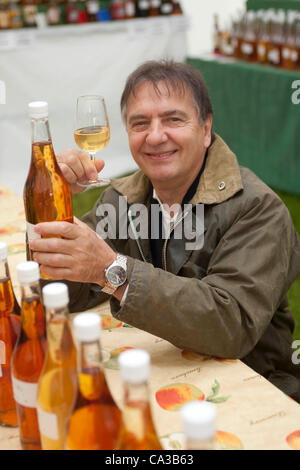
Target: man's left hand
pixel 79 255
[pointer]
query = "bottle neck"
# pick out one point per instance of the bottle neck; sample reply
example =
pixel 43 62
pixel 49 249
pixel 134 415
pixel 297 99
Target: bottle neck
pixel 59 337
pixel 89 357
pixel 6 292
pixel 4 271
pixel 40 130
pixel 33 317
pixel 135 393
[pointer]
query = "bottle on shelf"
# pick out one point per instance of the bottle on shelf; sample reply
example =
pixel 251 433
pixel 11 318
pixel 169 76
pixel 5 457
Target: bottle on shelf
pixel 295 54
pixel 58 379
pixel 71 12
pixel 199 425
pixel 117 10
pixel 29 13
pixel 177 10
pixel 238 35
pixel 129 9
pixel 155 7
pixel 4 15
pixel 28 355
pixel 217 35
pixel 47 196
pixel 166 7
pixel 264 37
pixel 290 40
pixel 277 39
pixel 15 15
pixel 10 320
pixel 95 420
pixel 142 8
pixel 249 44
pixel 53 13
pixel 138 431
pixel 92 7
pixel 82 12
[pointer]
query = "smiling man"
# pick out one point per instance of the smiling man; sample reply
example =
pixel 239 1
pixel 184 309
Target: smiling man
pixel 225 298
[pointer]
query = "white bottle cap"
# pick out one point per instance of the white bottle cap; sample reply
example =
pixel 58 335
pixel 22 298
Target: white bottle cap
pixel 55 295
pixel 199 420
pixel 87 327
pixel 3 251
pixel 134 365
pixel 28 271
pixel 38 109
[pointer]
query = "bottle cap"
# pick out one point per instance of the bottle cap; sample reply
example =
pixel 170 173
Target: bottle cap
pixel 28 271
pixel 199 420
pixel 38 109
pixel 134 365
pixel 87 327
pixel 55 295
pixel 3 251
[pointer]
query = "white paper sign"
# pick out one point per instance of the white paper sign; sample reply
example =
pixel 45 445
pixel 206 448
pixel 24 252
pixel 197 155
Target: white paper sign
pixel 25 393
pixel 48 424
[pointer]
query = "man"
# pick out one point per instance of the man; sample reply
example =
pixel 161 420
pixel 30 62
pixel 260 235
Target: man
pixel 225 297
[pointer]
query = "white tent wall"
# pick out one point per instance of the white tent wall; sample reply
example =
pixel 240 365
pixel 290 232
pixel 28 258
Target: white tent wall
pixel 200 13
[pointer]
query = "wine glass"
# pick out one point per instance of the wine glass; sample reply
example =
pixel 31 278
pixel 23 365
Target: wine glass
pixel 92 131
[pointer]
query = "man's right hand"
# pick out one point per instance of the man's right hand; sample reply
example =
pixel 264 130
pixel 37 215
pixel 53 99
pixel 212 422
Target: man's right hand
pixel 76 166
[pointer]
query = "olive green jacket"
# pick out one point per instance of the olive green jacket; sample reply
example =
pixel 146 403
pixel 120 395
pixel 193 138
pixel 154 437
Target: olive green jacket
pixel 227 299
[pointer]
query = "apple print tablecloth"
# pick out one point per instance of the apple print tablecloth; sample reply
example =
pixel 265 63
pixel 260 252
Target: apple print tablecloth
pixel 251 412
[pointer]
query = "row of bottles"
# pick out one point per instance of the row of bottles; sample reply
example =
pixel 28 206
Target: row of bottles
pixel 58 393
pixel 16 14
pixel 267 37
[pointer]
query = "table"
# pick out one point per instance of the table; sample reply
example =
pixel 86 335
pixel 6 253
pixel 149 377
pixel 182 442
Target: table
pixel 255 114
pixel 251 412
pixel 60 63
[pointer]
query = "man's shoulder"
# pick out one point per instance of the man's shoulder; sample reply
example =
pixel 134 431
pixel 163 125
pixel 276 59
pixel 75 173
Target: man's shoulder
pixel 135 187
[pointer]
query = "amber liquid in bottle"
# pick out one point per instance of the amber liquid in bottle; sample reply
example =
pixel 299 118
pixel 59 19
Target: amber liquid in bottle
pixel 95 420
pixel 138 431
pixel 57 384
pixel 27 363
pixel 9 330
pixel 47 196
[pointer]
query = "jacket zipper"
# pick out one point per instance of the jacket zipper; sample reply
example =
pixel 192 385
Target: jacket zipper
pixel 164 253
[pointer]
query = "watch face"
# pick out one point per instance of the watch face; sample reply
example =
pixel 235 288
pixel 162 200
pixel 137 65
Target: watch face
pixel 116 275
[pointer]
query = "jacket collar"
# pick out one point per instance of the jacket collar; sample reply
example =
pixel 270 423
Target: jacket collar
pixel 220 180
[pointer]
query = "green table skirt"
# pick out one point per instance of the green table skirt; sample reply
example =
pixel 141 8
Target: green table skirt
pixel 254 114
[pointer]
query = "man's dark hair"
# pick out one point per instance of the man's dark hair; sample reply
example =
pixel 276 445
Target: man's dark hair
pixel 177 75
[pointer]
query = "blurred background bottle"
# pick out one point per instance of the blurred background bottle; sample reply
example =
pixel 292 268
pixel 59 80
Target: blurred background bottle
pixel 9 331
pixel 129 9
pixel 249 44
pixel 142 8
pixel 28 355
pixel 138 431
pixel 155 7
pixel 199 425
pixel 166 7
pixel 58 379
pixel 177 10
pixel 29 8
pixel 95 420
pixel 277 39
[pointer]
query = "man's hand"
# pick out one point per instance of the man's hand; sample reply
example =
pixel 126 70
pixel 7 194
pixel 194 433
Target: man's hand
pixel 80 255
pixel 76 166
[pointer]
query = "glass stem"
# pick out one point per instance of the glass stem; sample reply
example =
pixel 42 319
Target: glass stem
pixel 92 156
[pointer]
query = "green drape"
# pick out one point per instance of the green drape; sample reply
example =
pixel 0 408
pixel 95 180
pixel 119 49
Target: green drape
pixel 277 4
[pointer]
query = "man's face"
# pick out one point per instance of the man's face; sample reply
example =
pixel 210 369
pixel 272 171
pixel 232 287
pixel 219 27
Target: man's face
pixel 166 138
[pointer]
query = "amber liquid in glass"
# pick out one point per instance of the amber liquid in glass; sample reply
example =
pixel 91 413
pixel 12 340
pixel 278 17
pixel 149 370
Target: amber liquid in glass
pixel 27 363
pixel 57 384
pixel 47 196
pixel 95 420
pixel 10 320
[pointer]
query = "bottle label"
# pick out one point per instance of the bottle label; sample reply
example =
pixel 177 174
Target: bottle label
pixel 247 48
pixel 48 424
pixel 29 14
pixel 166 8
pixel 155 3
pixel 274 56
pixel 143 4
pixel 294 56
pixel 130 9
pixel 31 234
pixel 261 50
pixel 92 7
pixel 25 393
pixel 4 20
pixel 53 15
pixel 286 53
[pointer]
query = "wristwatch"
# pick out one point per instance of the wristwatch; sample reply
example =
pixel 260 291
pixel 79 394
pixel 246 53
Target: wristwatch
pixel 115 274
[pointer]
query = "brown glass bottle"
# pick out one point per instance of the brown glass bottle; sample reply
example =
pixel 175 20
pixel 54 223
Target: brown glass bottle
pixel 249 43
pixel 9 331
pixel 138 431
pixel 166 7
pixel 28 355
pixel 155 7
pixel 47 196
pixel 177 10
pixel 95 420
pixel 29 13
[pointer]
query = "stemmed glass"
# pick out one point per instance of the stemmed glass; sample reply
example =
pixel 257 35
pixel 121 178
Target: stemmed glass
pixel 92 131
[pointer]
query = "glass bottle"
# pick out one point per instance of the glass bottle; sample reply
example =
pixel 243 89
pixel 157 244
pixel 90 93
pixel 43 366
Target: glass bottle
pixel 289 40
pixel 217 36
pixel 296 49
pixel 166 7
pixel 28 355
pixel 129 9
pixel 53 13
pixel 177 10
pixel 117 10
pixel 93 8
pixel 277 39
pixel 4 15
pixel 71 12
pixel 47 196
pixel 238 36
pixel 155 7
pixel 138 431
pixel 15 15
pixel 199 425
pixel 95 420
pixel 58 379
pixel 264 38
pixel 142 8
pixel 29 13
pixel 249 45
pixel 9 331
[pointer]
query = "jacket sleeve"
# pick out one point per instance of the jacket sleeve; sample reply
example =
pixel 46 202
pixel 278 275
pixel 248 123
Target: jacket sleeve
pixel 225 313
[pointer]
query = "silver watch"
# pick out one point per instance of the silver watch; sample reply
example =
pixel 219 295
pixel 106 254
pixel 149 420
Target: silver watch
pixel 115 274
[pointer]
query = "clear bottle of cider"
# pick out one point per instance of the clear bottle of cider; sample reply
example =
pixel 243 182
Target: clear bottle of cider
pixel 9 331
pixel 199 425
pixel 28 355
pixel 58 379
pixel 95 420
pixel 138 431
pixel 47 196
